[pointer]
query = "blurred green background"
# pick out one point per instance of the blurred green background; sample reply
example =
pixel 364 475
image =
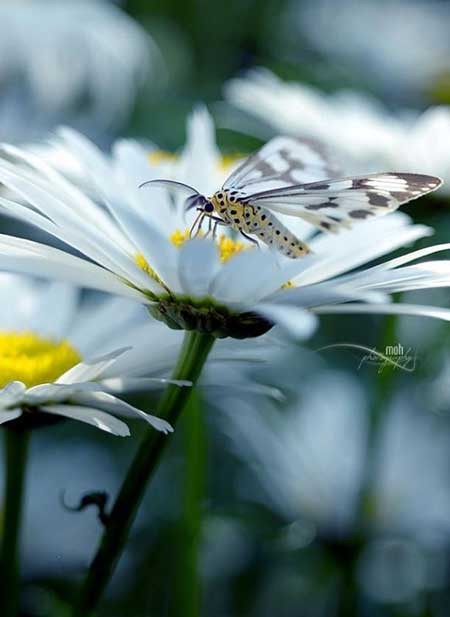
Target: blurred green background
pixel 209 540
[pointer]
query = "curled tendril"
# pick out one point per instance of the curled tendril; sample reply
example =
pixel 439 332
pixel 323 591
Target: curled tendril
pixel 99 499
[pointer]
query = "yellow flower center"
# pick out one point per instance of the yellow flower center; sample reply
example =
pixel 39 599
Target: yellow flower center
pixel 32 359
pixel 227 249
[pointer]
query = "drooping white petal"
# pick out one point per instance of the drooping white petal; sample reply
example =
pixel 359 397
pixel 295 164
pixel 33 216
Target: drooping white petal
pixel 90 370
pixel 88 415
pixel 198 264
pixel 11 393
pixel 10 414
pixel 111 403
pixel 298 322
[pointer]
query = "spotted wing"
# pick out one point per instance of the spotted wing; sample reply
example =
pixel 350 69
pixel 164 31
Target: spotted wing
pixel 282 162
pixel 336 204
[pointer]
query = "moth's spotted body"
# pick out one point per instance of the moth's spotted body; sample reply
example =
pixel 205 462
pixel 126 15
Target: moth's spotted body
pixel 277 180
pixel 233 208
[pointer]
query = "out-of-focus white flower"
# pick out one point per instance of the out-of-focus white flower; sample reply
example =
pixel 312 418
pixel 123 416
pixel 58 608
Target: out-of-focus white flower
pixel 312 459
pixel 43 368
pixel 402 45
pixel 138 245
pixel 62 59
pixel 364 136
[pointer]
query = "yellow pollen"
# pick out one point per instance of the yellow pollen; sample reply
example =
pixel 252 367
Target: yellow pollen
pixel 161 156
pixel 288 285
pixel 227 247
pixel 158 157
pixel 32 359
pixel 228 160
pixel 178 238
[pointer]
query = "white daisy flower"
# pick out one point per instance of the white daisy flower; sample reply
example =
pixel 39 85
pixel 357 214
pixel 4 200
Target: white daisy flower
pixel 348 35
pixel 137 245
pixel 85 58
pixel 364 135
pixel 46 364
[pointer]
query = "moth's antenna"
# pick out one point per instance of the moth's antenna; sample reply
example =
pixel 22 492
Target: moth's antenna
pixel 171 184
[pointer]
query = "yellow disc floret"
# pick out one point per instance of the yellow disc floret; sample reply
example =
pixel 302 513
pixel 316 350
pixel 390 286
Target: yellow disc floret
pixel 227 246
pixel 32 359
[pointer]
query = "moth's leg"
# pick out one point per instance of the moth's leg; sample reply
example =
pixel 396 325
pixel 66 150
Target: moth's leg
pixel 197 223
pixel 217 222
pixel 250 238
pixel 211 228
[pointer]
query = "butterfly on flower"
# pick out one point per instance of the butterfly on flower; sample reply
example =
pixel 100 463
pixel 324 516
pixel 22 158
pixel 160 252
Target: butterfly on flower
pixel 277 180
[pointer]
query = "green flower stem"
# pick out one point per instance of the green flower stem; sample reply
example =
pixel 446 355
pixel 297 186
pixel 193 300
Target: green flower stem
pixel 187 584
pixel 193 354
pixel 16 448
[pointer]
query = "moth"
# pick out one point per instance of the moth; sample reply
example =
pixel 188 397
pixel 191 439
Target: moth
pixel 276 180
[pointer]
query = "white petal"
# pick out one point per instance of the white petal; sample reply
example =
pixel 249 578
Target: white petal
pixel 324 293
pixel 10 414
pixel 388 309
pixel 73 198
pixel 243 278
pixel 403 259
pixel 353 251
pixel 198 265
pixel 88 415
pixel 115 405
pixel 25 256
pixel 81 232
pixel 298 322
pixel 158 251
pixel 198 165
pixel 56 393
pixel 426 275
pixel 11 393
pixel 120 385
pixel 89 370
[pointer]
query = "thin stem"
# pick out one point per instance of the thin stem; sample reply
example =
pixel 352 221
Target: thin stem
pixel 187 585
pixel 16 448
pixel 193 354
